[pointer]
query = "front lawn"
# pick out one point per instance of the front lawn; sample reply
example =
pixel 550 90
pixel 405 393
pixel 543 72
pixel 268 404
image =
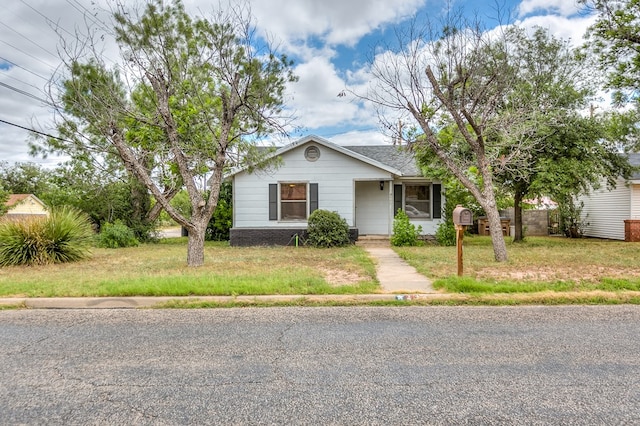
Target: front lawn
pixel 536 265
pixel 160 270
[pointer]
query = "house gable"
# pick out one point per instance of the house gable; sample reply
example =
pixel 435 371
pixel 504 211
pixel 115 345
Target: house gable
pixel 23 205
pixel 330 175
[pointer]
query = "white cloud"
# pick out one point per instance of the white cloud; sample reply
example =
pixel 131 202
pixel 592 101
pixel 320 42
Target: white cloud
pixel 333 21
pixel 572 29
pixel 562 7
pixel 315 96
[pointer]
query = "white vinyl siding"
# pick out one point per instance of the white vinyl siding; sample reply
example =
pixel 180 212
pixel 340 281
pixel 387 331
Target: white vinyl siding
pixel 373 216
pixel 604 211
pixel 333 171
pixel 635 201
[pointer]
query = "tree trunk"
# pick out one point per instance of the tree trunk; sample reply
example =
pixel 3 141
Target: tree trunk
pixel 195 247
pixel 517 216
pixel 495 227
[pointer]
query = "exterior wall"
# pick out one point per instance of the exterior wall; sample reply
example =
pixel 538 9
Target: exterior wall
pixel 333 172
pixel 534 222
pixel 604 211
pixel 28 206
pixel 429 226
pixel 373 215
pixel 635 201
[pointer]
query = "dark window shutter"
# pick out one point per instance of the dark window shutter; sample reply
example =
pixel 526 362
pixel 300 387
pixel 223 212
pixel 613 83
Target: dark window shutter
pixel 437 201
pixel 397 199
pixel 273 201
pixel 313 197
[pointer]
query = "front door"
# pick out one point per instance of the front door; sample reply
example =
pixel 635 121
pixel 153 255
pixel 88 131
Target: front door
pixel 372 207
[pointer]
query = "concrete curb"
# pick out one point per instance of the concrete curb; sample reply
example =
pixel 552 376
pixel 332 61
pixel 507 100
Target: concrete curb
pixel 148 301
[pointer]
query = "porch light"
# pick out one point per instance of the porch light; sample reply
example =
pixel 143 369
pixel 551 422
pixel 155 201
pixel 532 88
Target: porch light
pixel 381 185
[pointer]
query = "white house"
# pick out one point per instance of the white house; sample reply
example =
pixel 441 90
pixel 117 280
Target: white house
pixel 615 213
pixel 365 185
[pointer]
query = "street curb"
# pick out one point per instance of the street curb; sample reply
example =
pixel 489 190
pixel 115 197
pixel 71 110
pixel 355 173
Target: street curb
pixel 148 301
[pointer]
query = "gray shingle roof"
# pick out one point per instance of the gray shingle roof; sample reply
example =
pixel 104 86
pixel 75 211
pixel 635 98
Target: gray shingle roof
pixel 397 157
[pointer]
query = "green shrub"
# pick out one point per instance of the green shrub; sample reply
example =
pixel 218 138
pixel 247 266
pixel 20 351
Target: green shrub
pixel 446 234
pixel 327 229
pixel 116 235
pixel 64 236
pixel 405 233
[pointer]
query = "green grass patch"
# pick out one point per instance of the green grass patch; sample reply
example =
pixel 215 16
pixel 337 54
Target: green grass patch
pixel 536 265
pixel 160 270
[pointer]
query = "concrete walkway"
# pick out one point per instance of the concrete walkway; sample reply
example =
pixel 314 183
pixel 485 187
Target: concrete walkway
pixel 396 275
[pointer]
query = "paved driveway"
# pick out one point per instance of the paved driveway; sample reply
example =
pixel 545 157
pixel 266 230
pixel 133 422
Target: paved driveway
pixel 362 365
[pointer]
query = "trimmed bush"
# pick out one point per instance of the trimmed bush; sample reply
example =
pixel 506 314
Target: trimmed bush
pixel 116 235
pixel 327 229
pixel 405 233
pixel 65 236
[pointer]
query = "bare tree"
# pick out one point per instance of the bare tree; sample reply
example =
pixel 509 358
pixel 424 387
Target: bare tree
pixel 455 76
pixel 187 98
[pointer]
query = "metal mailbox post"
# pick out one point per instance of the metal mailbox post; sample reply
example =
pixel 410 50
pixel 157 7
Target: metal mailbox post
pixel 462 217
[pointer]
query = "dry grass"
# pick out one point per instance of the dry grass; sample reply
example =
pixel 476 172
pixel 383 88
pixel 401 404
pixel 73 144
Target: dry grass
pixel 160 269
pixel 552 263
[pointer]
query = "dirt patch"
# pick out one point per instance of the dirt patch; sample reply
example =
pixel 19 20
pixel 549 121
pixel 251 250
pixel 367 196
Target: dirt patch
pixel 554 273
pixel 337 277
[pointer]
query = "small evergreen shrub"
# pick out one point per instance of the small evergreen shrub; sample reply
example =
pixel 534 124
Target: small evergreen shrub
pixel 327 229
pixel 64 236
pixel 446 234
pixel 116 235
pixel 405 233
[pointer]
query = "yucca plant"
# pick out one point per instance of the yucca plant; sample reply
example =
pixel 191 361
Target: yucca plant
pixel 64 236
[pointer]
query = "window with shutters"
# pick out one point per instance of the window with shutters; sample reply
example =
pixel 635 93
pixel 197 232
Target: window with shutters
pixel 417 201
pixel 293 201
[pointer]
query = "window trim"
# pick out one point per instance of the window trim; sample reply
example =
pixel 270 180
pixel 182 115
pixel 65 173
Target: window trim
pixel 430 186
pixel 306 200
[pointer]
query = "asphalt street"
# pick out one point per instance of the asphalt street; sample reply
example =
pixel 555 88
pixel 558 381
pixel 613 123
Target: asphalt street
pixel 334 365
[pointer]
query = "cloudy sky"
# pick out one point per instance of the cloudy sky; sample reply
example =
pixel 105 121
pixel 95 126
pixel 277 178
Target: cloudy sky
pixel 330 41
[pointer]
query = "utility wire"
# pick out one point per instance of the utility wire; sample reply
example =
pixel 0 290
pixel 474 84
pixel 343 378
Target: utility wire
pixel 21 67
pixel 23 82
pixel 33 130
pixel 25 93
pixel 27 53
pixel 29 40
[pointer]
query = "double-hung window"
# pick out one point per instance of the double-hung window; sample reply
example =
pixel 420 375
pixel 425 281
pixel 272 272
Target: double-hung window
pixel 417 200
pixel 292 201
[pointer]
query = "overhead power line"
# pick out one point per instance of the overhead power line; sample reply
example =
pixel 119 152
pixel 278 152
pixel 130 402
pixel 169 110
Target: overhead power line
pixel 33 130
pixel 23 68
pixel 25 93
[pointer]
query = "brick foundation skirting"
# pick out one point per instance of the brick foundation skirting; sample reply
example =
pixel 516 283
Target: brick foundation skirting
pixel 632 230
pixel 244 237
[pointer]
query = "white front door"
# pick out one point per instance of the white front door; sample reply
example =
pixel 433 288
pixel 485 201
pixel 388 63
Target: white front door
pixel 372 207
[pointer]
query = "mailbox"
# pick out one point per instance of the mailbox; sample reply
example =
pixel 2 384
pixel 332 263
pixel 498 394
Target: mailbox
pixel 462 216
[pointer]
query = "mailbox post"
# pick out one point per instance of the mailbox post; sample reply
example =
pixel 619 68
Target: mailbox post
pixel 462 217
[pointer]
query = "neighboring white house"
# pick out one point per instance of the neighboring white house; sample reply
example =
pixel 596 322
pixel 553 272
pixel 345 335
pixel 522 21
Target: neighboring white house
pixel 25 206
pixel 614 213
pixel 365 185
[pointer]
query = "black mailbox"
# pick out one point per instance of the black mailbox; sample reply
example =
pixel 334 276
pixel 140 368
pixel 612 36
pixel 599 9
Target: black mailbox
pixel 462 216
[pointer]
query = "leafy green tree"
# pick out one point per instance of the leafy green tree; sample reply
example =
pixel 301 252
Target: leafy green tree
pixel 197 92
pixel 222 219
pixel 615 38
pixel 4 196
pixel 25 178
pixel 555 150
